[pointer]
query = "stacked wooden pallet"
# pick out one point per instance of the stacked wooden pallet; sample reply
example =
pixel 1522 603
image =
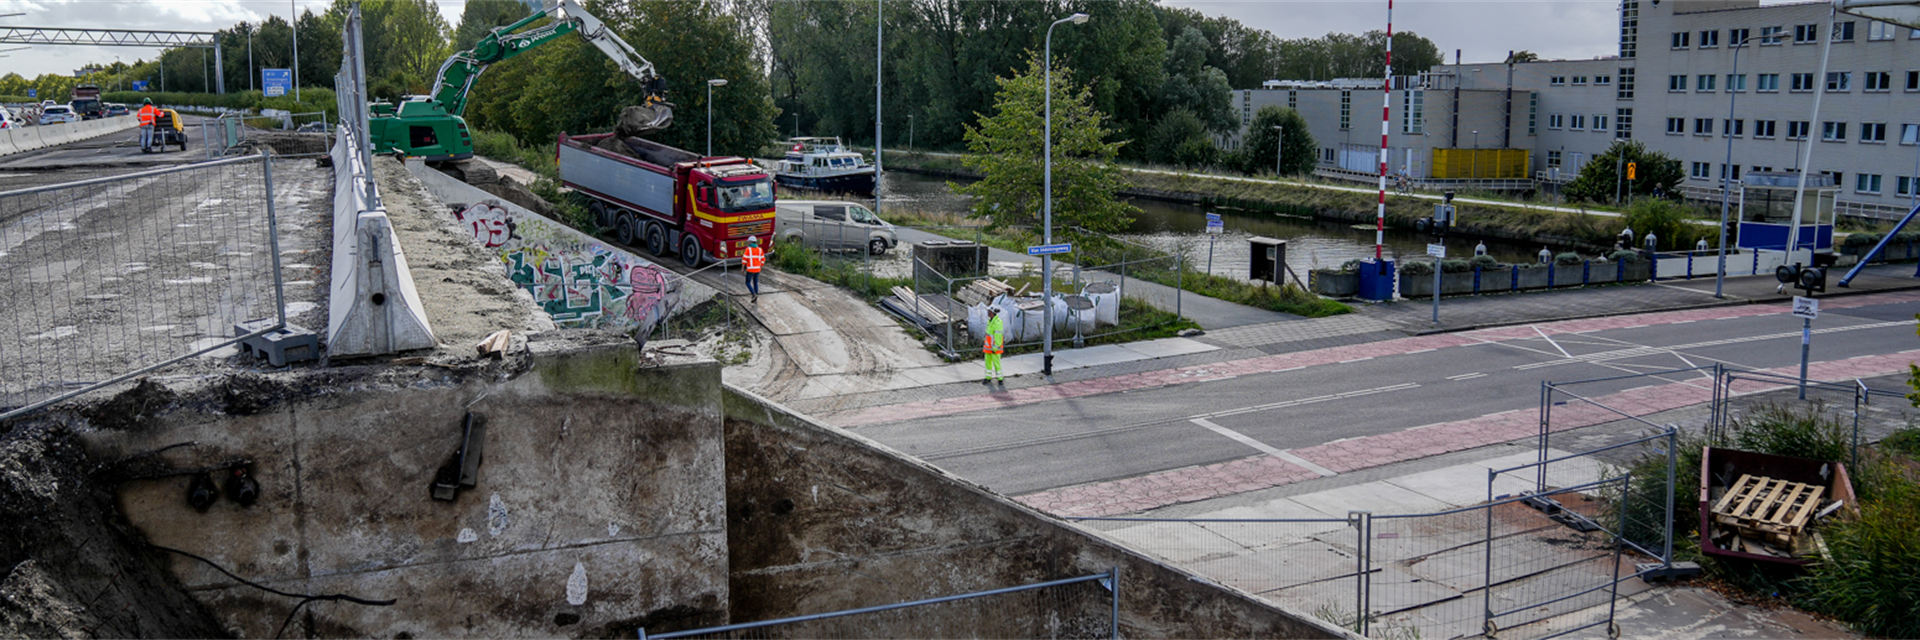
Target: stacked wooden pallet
pixel 927 311
pixel 982 291
pixel 1764 509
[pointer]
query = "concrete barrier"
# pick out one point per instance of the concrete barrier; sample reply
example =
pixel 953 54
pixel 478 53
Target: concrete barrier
pixel 25 139
pixel 373 308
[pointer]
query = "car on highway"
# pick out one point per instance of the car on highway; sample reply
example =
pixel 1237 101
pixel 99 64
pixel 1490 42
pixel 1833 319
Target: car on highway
pixel 49 103
pixel 117 109
pixel 58 113
pixel 8 121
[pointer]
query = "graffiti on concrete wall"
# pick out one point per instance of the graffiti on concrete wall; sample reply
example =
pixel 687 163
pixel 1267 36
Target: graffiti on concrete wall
pixel 578 281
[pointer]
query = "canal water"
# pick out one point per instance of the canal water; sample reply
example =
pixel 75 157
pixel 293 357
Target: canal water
pixel 1310 244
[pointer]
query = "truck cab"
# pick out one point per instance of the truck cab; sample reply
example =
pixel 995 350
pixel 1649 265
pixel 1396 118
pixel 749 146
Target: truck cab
pixel 728 204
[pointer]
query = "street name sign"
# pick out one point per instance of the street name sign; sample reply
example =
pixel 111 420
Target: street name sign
pixel 1808 308
pixel 1049 249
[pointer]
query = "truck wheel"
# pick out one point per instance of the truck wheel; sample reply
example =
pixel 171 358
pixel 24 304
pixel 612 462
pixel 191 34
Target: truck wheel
pixel 623 230
pixel 599 212
pixel 877 246
pixel 656 239
pixel 690 251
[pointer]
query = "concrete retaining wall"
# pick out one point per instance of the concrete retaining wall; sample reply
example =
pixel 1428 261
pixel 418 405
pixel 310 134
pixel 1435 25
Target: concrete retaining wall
pixel 22 139
pixel 820 519
pixel 576 278
pixel 373 308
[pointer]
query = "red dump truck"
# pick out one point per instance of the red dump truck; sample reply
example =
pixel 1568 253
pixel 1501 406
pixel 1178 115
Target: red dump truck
pixel 669 200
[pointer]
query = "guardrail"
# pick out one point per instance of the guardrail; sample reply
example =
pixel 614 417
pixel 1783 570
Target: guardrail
pixel 373 308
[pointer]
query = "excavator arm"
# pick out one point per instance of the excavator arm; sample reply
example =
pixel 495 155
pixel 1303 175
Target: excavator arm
pixel 457 75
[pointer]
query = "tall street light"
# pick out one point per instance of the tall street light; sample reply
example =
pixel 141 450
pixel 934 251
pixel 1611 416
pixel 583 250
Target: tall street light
pixel 716 82
pixel 250 31
pixel 1726 169
pixel 1279 147
pixel 1046 201
pixel 293 22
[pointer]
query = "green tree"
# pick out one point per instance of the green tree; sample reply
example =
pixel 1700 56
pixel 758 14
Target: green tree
pixel 1296 144
pixel 1181 139
pixel 1007 151
pixel 1654 172
pixel 1196 87
pixel 1523 55
pixel 480 17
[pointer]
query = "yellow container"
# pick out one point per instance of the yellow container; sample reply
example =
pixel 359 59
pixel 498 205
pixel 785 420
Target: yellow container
pixel 1480 164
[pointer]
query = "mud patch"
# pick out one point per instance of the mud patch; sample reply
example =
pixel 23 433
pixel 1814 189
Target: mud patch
pixel 248 394
pixel 132 408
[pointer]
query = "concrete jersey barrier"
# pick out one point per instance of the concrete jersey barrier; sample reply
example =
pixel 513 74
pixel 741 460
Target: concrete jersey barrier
pixel 373 308
pixel 22 139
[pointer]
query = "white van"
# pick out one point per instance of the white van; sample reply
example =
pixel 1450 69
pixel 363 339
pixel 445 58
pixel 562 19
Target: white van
pixel 834 226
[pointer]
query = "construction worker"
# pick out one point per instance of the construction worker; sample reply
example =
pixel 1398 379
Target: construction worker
pixel 753 258
pixel 148 113
pixel 994 345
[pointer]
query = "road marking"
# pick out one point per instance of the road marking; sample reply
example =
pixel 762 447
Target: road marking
pixel 1262 446
pixel 1467 376
pixel 1370 357
pixel 1556 345
pixel 1426 350
pixel 1294 403
pixel 1640 351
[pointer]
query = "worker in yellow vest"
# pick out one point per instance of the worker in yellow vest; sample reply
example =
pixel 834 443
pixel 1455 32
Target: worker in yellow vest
pixel 994 345
pixel 753 258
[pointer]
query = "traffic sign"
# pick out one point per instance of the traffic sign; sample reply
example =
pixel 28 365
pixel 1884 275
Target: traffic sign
pixel 1808 308
pixel 33 93
pixel 276 82
pixel 139 85
pixel 1215 224
pixel 1049 249
pixel 1630 170
pixel 1437 250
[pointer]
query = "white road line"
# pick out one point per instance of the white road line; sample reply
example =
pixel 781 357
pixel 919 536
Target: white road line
pixel 1262 446
pixel 1556 345
pixel 1467 376
pixel 1303 401
pixel 1371 357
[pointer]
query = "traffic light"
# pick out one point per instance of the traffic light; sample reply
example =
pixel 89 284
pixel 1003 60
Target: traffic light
pixel 1809 279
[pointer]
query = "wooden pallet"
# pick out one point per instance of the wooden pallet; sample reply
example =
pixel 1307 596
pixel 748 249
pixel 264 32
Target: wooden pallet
pixel 981 291
pixel 926 310
pixel 1768 509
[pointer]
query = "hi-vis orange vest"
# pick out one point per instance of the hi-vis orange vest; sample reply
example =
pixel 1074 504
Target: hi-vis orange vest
pixel 147 114
pixel 754 258
pixel 992 345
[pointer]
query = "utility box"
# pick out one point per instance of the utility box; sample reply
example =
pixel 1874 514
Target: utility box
pixel 1268 263
pixel 955 259
pixel 1377 280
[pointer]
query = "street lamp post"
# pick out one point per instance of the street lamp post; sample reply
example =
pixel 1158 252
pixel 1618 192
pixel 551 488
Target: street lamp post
pixel 1046 201
pixel 716 82
pixel 1726 172
pixel 1279 147
pixel 293 24
pixel 909 131
pixel 250 86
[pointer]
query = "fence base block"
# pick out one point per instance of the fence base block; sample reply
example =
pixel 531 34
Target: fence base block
pixel 1655 572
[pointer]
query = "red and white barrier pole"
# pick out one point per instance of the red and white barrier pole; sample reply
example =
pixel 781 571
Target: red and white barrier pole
pixel 1386 108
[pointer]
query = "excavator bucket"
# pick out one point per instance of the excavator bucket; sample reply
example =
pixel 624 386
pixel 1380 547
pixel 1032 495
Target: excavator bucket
pixel 640 120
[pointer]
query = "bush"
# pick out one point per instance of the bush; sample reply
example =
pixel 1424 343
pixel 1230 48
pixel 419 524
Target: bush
pixel 1629 257
pixel 1483 262
pixel 1568 259
pixel 1860 242
pixel 1905 442
pixel 1868 577
pixel 1416 268
pixel 1783 431
pixel 1456 266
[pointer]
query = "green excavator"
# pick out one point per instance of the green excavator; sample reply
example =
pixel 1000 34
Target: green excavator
pixel 431 127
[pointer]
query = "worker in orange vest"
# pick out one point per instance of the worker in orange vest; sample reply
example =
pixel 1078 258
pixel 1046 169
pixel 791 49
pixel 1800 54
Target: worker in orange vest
pixel 994 345
pixel 148 113
pixel 753 258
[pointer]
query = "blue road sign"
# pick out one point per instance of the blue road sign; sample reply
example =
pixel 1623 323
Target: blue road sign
pixel 1213 217
pixel 1048 249
pixel 276 82
pixel 33 93
pixel 139 85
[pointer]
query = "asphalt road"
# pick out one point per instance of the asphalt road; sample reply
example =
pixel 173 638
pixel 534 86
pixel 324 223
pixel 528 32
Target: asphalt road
pixel 111 153
pixel 1025 448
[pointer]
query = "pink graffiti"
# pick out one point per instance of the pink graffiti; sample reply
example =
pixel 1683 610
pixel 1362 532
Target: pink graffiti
pixel 489 223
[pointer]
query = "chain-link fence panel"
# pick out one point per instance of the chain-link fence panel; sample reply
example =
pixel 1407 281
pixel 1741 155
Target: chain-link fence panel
pixel 115 277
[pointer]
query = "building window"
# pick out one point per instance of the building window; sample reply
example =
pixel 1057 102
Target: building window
pixel 1797 129
pixel 1557 80
pixel 1676 126
pixel 1913 80
pixel 1877 30
pixel 1910 134
pixel 1630 29
pixel 1737 83
pixel 1802 82
pixel 1704 82
pixel 1873 132
pixel 1293 102
pixel 1733 175
pixel 1736 37
pixel 1766 82
pixel 1878 81
pixel 1700 170
pixel 1346 110
pixel 1579 81
pixel 1843 31
pixel 1703 126
pixel 1833 131
pixel 1602 80
pixel 1734 128
pixel 1533 114
pixel 1599 122
pixel 1680 39
pixel 1763 128
pixel 1771 35
pixel 1907 185
pixel 1867 183
pixel 1577 122
pixel 1806 33
pixel 1676 84
pixel 1839 81
pixel 1622 123
pixel 1556 121
pixel 1836 177
pixel 1710 39
pixel 1413 112
pixel 1326 155
pixel 1553 158
pixel 1625 90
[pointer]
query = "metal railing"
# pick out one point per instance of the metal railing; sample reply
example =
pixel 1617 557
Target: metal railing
pixel 114 278
pixel 1082 607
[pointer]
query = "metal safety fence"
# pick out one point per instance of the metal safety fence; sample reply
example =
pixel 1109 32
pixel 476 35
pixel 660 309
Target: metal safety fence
pixel 113 278
pixel 1082 607
pixel 1740 393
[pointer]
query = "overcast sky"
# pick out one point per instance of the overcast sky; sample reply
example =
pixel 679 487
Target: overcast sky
pixel 1485 30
